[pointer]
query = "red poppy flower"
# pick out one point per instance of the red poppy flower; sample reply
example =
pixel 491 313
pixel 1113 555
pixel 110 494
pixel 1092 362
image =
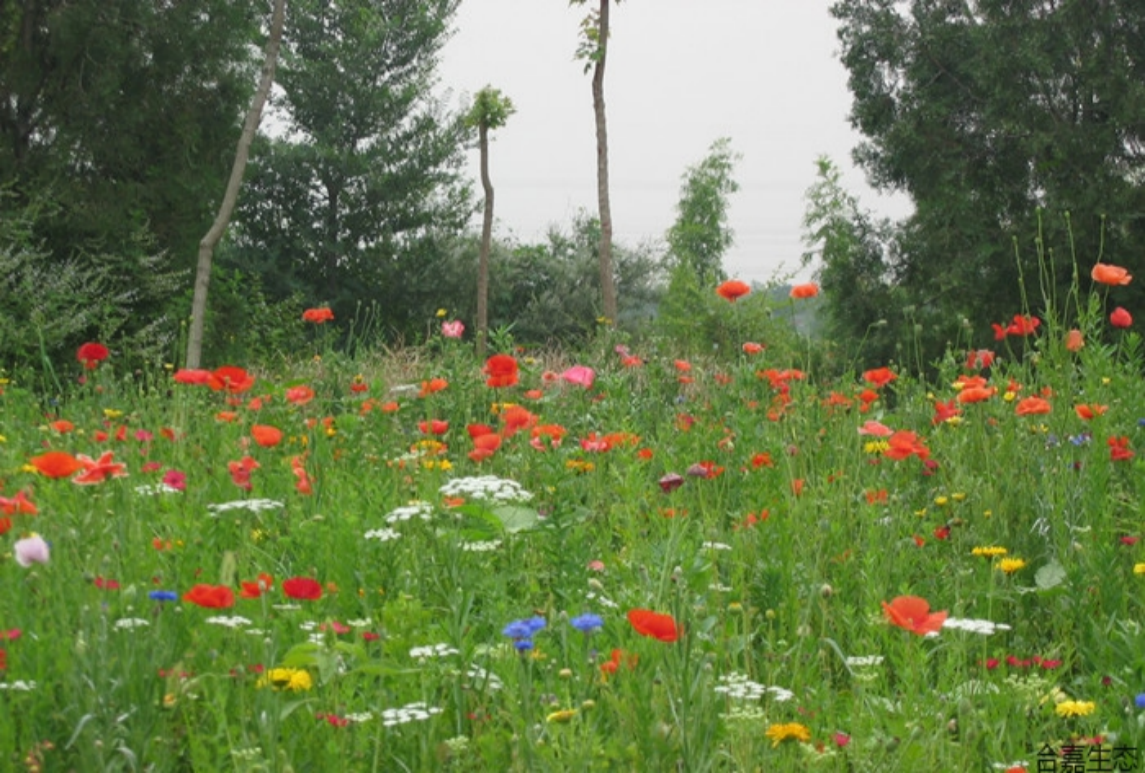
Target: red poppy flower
pixel 1119 449
pixel 1032 406
pixel 516 418
pixel 318 316
pixel 299 395
pixel 913 614
pixel 304 588
pixel 879 377
pixel 254 589
pixel 653 624
pixel 976 394
pixel 99 470
pixel 944 411
pixel 501 370
pixel 431 386
pixel 904 444
pixel 18 505
pixel 210 596
pixel 751 347
pixel 1120 318
pixel 433 427
pixel 733 289
pixel 231 379
pixel 266 435
pixel 241 470
pixel 92 354
pixel 56 464
pixel 979 358
pixel 1107 274
pixel 192 376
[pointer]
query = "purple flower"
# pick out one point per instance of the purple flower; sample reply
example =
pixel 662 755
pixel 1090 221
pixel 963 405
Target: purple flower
pixel 587 623
pixel 671 482
pixel 31 550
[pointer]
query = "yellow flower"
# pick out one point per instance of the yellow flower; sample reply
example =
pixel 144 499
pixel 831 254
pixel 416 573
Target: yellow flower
pixel 941 501
pixel 112 413
pixel 791 731
pixel 293 679
pixel 1075 708
pixel 876 447
pixel 989 552
pixel 959 496
pixel 1139 569
pixel 564 715
pixel 1009 396
pixel 1011 565
pixel 579 465
pixel 441 313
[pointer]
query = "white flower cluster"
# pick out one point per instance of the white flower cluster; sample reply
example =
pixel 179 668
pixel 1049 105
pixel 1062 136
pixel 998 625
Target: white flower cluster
pixel 19 685
pixel 422 510
pixel 864 661
pixel 484 678
pixel 413 712
pixel 432 651
pixel 488 488
pixel 738 687
pixel 233 621
pixel 716 546
pixel 252 505
pixel 127 623
pixel 385 534
pixel 158 488
pixel 481 547
pixel 984 627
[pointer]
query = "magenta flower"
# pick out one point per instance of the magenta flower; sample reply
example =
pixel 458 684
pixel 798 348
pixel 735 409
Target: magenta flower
pixel 453 329
pixel 580 375
pixel 176 480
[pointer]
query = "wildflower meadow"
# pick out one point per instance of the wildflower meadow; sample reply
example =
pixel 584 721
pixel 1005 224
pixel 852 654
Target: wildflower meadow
pixel 619 558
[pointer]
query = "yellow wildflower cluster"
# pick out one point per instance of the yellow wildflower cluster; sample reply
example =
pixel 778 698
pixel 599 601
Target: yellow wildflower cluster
pixel 293 679
pixel 790 731
pixel 992 551
pixel 1011 565
pixel 1075 708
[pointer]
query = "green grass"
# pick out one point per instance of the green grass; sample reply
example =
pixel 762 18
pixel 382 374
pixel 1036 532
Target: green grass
pixel 777 595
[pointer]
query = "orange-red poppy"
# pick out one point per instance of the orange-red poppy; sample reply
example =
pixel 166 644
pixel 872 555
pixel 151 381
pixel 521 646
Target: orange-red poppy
pixel 1087 412
pixel 976 394
pixel 913 614
pixel 99 470
pixel 501 371
pixel 733 289
pixel 1120 318
pixel 808 290
pixel 299 395
pixel 653 624
pixel 1107 274
pixel 1032 406
pixel 266 435
pixel 879 377
pixel 210 596
pixel 254 589
pixel 433 427
pixel 192 376
pixel 56 464
pixel 751 347
pixel 63 426
pixel 1074 340
pixel 304 588
pixel 431 386
pixel 318 316
pixel 230 378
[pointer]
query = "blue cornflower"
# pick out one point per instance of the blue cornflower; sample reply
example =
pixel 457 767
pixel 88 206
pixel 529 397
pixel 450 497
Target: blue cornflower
pixel 587 623
pixel 523 629
pixel 1139 701
pixel 163 595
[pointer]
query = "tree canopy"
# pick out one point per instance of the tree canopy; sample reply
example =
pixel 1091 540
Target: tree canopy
pixel 989 115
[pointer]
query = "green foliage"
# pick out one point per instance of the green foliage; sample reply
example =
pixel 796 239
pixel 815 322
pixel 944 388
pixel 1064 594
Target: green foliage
pixel 349 204
pixel 700 236
pixel 51 307
pixel 490 109
pixel 550 291
pixel 986 114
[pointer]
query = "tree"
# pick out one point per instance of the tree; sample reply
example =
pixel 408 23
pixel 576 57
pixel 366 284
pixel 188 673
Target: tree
pixel 211 239
pixel 348 203
pixel 858 285
pixel 985 112
pixel 700 236
pixel 115 122
pixel 490 111
pixel 594 50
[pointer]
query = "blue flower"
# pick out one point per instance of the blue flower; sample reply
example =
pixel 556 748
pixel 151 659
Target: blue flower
pixel 163 595
pixel 1139 701
pixel 523 645
pixel 587 623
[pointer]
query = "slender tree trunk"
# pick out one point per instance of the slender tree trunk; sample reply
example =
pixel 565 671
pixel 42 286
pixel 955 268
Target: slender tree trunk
pixel 607 285
pixel 242 152
pixel 486 240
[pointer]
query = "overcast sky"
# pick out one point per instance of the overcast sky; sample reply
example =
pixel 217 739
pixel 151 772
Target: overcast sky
pixel 680 74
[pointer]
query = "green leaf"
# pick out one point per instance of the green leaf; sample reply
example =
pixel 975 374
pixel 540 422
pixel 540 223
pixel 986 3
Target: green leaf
pixel 1050 576
pixel 515 518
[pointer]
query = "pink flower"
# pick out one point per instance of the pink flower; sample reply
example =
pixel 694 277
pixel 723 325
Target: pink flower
pixel 878 429
pixel 176 480
pixel 453 329
pixel 31 550
pixel 580 375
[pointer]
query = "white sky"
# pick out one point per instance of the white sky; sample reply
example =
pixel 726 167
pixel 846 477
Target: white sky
pixel 680 74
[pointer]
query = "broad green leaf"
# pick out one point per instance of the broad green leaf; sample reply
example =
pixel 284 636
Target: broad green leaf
pixel 1050 576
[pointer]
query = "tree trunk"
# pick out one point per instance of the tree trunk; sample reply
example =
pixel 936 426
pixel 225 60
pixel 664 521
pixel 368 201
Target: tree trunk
pixel 607 285
pixel 242 152
pixel 486 240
